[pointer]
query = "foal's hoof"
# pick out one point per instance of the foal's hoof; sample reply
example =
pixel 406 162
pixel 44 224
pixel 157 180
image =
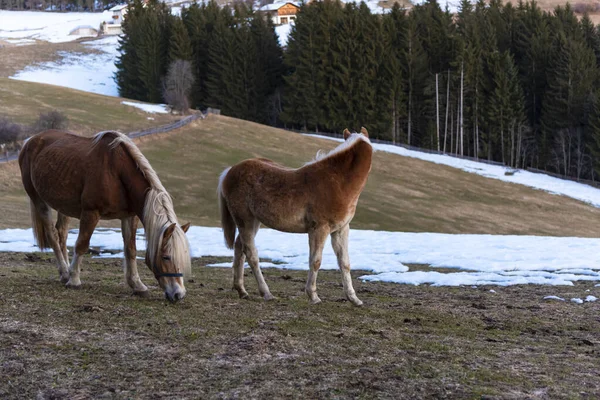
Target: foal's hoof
pixel 356 302
pixel 71 285
pixel 269 297
pixel 244 296
pixel 316 300
pixel 142 293
pixel 64 280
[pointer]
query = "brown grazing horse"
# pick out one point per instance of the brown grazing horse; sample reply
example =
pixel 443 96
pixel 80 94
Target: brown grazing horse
pixel 104 177
pixel 319 199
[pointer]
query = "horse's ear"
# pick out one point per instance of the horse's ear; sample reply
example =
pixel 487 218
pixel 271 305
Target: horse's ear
pixel 185 227
pixel 363 130
pixel 169 232
pixel 346 133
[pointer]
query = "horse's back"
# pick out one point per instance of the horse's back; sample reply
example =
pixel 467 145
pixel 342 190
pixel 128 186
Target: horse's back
pixel 71 172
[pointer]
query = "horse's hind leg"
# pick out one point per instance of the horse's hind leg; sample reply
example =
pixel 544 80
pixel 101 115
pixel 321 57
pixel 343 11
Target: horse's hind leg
pixel 44 213
pixel 128 230
pixel 238 268
pixel 339 242
pixel 247 234
pixel 87 224
pixel 316 239
pixel 62 228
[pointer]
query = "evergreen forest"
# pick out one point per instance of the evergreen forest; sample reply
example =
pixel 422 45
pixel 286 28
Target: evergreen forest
pixel 501 82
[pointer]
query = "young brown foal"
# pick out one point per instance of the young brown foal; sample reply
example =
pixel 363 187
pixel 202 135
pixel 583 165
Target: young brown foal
pixel 319 199
pixel 106 177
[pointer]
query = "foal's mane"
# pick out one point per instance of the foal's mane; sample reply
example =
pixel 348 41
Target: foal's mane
pixel 159 212
pixel 344 146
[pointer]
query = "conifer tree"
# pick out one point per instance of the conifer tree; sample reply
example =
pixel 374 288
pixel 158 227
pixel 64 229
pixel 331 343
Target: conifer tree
pixel 128 62
pixel 180 46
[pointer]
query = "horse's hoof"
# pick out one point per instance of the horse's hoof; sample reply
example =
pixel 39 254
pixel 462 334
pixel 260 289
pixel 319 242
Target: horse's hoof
pixel 244 296
pixel 142 293
pixel 269 297
pixel 64 280
pixel 357 302
pixel 71 285
pixel 315 301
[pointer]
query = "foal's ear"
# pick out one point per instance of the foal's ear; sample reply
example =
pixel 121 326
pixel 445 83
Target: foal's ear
pixel 346 133
pixel 185 227
pixel 169 232
pixel 363 130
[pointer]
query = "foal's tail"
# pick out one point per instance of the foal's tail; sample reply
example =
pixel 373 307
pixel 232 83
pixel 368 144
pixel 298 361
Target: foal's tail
pixel 227 222
pixel 39 232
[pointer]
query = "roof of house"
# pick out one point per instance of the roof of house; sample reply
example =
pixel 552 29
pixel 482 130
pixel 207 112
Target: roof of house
pixel 118 7
pixel 277 6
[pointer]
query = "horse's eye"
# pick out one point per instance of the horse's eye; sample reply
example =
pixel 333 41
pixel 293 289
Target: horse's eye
pixel 166 258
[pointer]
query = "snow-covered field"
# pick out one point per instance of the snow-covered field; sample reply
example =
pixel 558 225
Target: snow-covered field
pixel 88 72
pixel 465 259
pixel 47 26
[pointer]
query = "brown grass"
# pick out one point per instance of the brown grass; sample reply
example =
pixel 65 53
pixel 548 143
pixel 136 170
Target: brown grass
pixel 407 342
pixel 88 113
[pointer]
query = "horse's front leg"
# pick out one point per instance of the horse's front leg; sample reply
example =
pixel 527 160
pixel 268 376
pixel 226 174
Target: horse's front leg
pixel 87 224
pixel 128 230
pixel 339 242
pixel 316 240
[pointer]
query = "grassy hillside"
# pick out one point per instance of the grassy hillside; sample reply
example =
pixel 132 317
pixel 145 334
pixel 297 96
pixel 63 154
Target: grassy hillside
pixel 402 194
pixel 88 112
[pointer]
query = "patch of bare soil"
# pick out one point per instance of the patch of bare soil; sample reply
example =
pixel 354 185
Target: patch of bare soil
pixel 406 342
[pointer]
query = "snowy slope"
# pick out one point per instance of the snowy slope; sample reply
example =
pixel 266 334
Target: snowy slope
pixel 48 26
pixel 88 72
pixel 479 259
pixel 547 183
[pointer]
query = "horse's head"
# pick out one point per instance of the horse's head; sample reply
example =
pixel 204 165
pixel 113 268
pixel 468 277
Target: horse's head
pixel 363 131
pixel 171 261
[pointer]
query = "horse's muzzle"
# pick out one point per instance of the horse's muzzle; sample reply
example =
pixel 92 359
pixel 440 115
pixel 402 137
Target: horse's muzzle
pixel 175 296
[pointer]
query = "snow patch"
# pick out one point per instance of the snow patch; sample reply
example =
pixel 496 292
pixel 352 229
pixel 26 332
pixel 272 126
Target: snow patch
pixel 52 27
pixel 577 301
pixel 480 259
pixel 543 182
pixel 87 72
pixel 554 298
pixel 149 108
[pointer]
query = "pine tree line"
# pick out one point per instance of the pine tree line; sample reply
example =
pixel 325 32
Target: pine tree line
pixel 495 81
pixel 236 58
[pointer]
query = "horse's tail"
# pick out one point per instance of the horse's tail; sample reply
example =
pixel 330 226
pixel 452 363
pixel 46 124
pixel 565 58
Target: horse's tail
pixel 227 222
pixel 39 232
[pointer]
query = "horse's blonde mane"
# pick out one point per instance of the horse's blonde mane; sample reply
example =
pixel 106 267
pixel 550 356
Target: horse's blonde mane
pixel 159 212
pixel 345 145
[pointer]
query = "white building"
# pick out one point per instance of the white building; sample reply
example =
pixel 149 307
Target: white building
pixel 118 13
pixel 280 13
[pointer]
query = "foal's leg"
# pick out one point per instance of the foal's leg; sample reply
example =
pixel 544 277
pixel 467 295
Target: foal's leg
pixel 247 234
pixel 52 236
pixel 316 240
pixel 238 268
pixel 87 224
pixel 62 227
pixel 128 230
pixel 339 242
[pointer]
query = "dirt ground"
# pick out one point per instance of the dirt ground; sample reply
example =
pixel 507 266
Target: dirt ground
pixel 406 342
